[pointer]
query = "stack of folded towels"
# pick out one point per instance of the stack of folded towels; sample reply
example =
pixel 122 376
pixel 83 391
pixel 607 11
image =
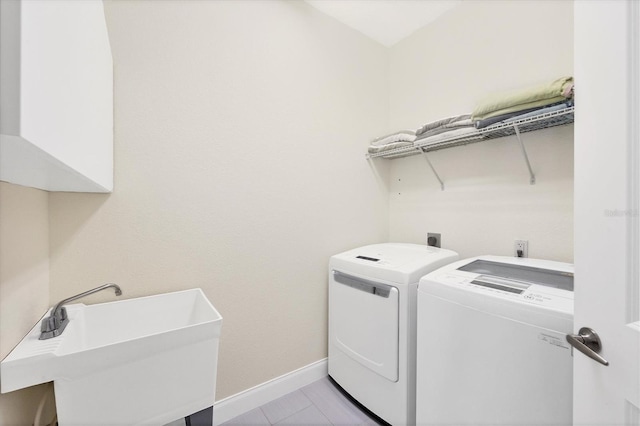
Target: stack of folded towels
pixel 458 126
pixel 523 103
pixel 495 108
pixel 432 132
pixel 400 139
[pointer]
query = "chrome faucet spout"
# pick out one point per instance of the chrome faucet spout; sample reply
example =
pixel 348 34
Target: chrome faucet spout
pixel 58 307
pixel 54 325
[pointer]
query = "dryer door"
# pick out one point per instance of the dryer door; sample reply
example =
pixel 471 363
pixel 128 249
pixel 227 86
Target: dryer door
pixel 364 322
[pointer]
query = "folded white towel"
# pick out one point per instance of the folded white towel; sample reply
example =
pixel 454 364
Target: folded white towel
pixel 387 147
pixel 461 133
pixel 463 120
pixel 401 136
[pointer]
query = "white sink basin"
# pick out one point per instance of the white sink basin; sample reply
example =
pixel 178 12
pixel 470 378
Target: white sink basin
pixel 149 360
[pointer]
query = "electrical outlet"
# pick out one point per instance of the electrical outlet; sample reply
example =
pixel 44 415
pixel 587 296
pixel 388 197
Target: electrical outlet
pixel 521 248
pixel 434 240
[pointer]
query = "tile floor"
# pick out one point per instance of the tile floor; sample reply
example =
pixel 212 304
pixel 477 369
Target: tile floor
pixel 319 403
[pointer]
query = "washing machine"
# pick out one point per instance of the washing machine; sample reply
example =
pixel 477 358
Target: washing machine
pixel 491 347
pixel 372 314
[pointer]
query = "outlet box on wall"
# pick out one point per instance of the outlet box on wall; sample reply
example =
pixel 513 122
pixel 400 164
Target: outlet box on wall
pixel 434 240
pixel 521 248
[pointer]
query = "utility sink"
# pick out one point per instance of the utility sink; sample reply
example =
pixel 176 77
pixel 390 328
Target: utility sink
pixel 149 360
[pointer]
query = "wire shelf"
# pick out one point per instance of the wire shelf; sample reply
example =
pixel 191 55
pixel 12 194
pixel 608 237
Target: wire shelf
pixel 538 122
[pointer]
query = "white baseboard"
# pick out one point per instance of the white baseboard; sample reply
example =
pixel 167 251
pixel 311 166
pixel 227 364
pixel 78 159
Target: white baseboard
pixel 240 403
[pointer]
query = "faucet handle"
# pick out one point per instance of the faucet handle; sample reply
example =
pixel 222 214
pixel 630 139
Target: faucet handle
pixel 48 324
pixel 53 325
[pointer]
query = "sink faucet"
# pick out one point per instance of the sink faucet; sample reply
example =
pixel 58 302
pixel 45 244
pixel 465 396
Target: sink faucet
pixel 53 325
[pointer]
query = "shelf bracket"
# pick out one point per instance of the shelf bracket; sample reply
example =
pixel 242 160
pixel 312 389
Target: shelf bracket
pixel 532 177
pixel 424 152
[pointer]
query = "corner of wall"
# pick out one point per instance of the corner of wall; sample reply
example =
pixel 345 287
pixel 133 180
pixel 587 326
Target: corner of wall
pixel 442 70
pixel 24 284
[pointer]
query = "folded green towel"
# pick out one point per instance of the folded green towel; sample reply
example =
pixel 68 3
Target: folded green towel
pixel 518 100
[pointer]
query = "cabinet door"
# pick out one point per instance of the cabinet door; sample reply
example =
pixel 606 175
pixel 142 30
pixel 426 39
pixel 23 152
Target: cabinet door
pixel 56 93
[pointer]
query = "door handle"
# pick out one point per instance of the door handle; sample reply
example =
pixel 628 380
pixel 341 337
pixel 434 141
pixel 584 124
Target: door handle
pixel 588 342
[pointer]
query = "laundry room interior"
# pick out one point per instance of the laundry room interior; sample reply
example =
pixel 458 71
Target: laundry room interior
pixel 237 163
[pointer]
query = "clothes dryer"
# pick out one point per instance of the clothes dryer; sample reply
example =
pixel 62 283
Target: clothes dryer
pixel 372 318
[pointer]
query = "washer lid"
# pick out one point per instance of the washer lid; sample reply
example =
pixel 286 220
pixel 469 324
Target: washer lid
pixel 513 283
pixel 527 274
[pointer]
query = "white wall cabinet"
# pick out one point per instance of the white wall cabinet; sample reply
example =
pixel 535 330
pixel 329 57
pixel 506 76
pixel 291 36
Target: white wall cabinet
pixel 56 95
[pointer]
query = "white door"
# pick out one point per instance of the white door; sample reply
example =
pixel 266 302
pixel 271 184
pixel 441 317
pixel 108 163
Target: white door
pixel 607 190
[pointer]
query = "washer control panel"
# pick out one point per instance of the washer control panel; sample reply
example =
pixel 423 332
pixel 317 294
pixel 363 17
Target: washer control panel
pixel 530 293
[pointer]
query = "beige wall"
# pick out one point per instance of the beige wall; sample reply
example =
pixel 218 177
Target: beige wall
pixel 476 48
pixel 240 133
pixel 24 284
